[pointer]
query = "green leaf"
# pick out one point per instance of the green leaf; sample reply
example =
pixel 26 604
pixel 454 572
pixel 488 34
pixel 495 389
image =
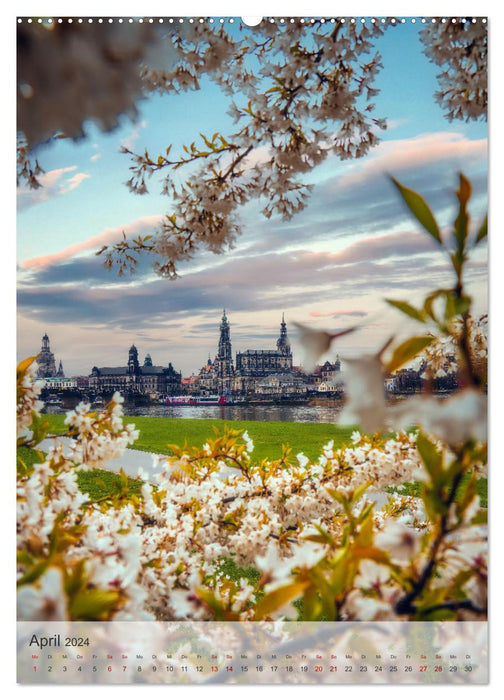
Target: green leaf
pixel 341 498
pixel 456 306
pixel 480 518
pixel 407 309
pixel 34 573
pixel 407 351
pixel 431 456
pixel 462 221
pixel 326 593
pixel 123 478
pixel 420 210
pixel 431 298
pixel 369 552
pixel 94 604
pixel 324 537
pixel 312 608
pixel 483 232
pixel 279 597
pixel 465 495
pixel 361 490
pixel 24 558
pixel 77 578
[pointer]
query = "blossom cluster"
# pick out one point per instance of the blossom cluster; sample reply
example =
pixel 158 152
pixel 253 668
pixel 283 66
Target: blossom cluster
pixel 217 504
pixel 290 115
pixel 69 74
pixel 442 356
pixel 28 402
pixel 99 438
pixel 323 531
pixel 461 50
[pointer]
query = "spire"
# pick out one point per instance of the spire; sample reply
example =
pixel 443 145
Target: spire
pixel 224 353
pixel 283 341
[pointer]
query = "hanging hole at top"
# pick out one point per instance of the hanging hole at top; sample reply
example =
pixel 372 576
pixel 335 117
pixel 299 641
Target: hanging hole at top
pixel 251 21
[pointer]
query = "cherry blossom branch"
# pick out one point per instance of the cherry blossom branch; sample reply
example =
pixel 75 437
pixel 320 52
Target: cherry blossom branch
pixel 455 605
pixel 404 605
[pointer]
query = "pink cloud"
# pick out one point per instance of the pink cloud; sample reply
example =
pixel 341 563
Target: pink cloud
pixel 336 314
pixel 75 181
pixel 54 183
pixel 142 226
pixel 408 154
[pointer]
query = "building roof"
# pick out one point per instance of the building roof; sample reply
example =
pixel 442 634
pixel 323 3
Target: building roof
pixel 155 369
pixel 116 371
pixel 260 352
pixel 281 378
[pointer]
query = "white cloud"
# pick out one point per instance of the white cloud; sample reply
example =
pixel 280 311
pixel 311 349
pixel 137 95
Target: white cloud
pixel 53 184
pixel 130 140
pixel 74 182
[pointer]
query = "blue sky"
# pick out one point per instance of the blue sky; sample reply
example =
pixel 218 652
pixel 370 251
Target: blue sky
pixel 329 266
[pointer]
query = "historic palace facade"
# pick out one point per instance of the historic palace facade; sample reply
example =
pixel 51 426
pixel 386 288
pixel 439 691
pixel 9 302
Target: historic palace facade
pixel 136 378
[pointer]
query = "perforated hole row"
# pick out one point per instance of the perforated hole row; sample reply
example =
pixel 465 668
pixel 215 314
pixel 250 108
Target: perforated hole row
pixel 232 20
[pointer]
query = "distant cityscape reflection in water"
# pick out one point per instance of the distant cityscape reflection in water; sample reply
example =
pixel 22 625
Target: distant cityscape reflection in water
pixel 285 413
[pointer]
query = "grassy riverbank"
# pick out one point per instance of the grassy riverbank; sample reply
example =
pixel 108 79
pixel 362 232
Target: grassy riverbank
pixel 97 483
pixel 157 433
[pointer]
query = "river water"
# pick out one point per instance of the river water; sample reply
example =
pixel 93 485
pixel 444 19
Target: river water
pixel 285 413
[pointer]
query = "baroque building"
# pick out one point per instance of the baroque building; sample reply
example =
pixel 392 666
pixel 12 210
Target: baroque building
pixel 222 377
pixel 260 363
pixel 136 378
pixel 46 362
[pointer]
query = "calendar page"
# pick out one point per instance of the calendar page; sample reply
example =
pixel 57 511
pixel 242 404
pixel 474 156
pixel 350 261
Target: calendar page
pixel 252 346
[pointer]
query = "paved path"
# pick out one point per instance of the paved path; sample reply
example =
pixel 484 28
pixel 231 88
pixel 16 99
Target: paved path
pixel 131 460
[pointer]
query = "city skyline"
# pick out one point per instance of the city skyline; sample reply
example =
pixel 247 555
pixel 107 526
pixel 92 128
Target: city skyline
pixel 146 355
pixel 331 266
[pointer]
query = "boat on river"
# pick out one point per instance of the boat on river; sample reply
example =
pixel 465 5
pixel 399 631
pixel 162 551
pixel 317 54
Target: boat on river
pixel 198 400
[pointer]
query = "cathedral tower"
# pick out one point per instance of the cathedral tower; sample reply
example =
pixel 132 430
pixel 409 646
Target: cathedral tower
pixel 283 345
pixel 45 359
pixel 133 366
pixel 224 359
pixel 147 361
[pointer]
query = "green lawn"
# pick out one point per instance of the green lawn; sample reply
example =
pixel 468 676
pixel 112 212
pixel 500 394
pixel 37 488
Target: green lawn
pixel 414 488
pixel 156 433
pixel 98 483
